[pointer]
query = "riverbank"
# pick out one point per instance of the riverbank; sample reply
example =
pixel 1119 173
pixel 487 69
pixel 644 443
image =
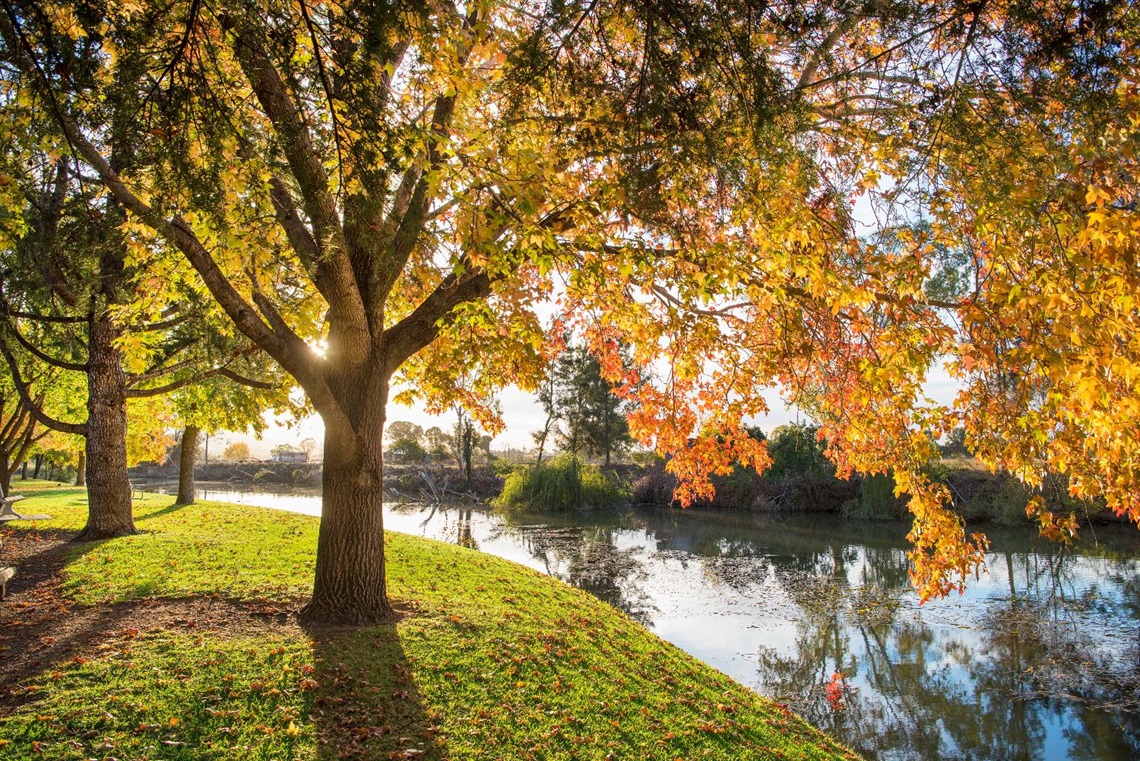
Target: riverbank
pixel 181 643
pixel 979 496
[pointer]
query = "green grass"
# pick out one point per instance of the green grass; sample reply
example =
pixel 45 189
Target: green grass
pixel 491 660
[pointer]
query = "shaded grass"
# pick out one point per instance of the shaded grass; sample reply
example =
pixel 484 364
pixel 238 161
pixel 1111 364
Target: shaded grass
pixel 490 660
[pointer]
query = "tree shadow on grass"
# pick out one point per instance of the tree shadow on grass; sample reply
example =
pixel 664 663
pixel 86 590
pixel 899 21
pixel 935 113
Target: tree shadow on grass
pixel 367 705
pixel 171 508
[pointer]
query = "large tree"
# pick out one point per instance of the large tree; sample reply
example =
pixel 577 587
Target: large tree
pixel 684 178
pixel 80 295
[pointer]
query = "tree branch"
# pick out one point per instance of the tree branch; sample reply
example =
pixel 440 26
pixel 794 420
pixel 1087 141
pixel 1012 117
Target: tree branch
pixel 244 381
pixel 46 317
pixel 44 356
pixel 25 397
pixel 421 327
pixel 341 291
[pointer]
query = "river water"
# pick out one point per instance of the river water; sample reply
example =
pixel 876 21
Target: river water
pixel 1040 659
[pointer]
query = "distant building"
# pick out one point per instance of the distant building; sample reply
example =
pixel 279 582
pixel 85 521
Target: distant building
pixel 289 455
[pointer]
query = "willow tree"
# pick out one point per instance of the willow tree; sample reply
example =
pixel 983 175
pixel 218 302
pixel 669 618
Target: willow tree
pixel 355 182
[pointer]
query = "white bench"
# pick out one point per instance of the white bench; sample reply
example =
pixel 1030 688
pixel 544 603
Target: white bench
pixel 6 574
pixel 6 503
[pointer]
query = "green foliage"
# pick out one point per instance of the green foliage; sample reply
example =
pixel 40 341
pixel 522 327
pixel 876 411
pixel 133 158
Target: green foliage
pixel 589 417
pixel 797 450
pixel 955 443
pixel 492 661
pixel 436 441
pixel 407 450
pixel 877 500
pixel 563 483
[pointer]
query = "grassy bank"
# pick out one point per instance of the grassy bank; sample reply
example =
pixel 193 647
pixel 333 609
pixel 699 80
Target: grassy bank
pixel 178 643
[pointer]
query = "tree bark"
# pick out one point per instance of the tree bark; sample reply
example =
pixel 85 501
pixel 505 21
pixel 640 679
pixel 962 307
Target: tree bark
pixel 24 471
pixel 5 477
pixel 186 464
pixel 39 464
pixel 108 487
pixel 81 470
pixel 350 583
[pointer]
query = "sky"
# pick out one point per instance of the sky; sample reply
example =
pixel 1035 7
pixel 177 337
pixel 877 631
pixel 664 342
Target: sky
pixel 522 414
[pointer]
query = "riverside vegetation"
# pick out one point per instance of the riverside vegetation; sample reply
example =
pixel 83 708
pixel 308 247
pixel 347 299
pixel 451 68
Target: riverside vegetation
pixel 176 643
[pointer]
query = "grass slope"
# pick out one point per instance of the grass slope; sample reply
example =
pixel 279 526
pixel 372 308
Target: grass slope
pixel 489 659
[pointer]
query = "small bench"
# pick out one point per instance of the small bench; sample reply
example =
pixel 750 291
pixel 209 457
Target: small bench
pixel 6 574
pixel 6 503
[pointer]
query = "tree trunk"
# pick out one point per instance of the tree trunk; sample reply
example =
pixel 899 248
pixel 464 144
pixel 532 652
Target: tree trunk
pixel 39 464
pixel 81 470
pixel 5 477
pixel 186 465
pixel 24 471
pixel 108 487
pixel 350 576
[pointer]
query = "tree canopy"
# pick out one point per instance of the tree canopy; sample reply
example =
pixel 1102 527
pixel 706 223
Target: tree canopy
pixel 829 199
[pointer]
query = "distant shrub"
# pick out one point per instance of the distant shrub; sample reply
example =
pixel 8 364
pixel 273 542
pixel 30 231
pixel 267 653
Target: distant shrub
pixel 407 450
pixel 562 483
pixel 654 487
pixel 877 500
pixel 955 443
pixel 797 450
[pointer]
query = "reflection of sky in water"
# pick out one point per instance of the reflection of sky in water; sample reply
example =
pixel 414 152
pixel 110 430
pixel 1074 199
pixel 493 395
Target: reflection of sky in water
pixel 779 604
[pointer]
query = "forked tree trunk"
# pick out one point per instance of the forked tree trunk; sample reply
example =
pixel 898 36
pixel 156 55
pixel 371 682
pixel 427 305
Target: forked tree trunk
pixel 108 487
pixel 81 470
pixel 186 464
pixel 350 583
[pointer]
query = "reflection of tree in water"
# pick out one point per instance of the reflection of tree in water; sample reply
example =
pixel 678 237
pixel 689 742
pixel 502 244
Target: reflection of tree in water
pixel 587 558
pixel 931 692
pixel 463 535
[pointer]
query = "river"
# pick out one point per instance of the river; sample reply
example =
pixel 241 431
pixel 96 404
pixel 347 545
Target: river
pixel 1040 659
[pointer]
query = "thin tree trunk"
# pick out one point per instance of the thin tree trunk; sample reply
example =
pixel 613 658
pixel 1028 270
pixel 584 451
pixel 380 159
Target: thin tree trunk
pixel 39 464
pixel 108 487
pixel 350 584
pixel 5 477
pixel 24 471
pixel 81 470
pixel 186 465
pixel 468 434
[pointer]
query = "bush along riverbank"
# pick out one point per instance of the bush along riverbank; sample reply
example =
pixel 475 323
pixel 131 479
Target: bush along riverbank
pixel 180 643
pixel 801 479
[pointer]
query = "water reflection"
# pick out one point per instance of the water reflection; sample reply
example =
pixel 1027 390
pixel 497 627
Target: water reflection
pixel 1036 665
pixel 1039 660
